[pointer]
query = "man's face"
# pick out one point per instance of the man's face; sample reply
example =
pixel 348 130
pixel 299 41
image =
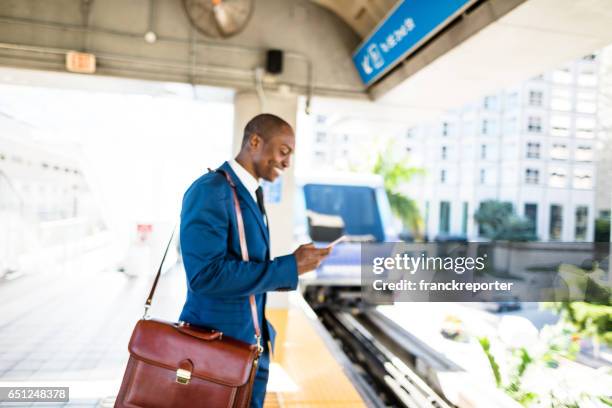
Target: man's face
pixel 271 158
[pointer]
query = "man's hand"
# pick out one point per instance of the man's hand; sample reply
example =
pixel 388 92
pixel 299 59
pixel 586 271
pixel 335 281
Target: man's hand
pixel 308 257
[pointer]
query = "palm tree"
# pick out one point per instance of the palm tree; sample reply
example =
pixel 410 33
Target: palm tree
pixel 395 174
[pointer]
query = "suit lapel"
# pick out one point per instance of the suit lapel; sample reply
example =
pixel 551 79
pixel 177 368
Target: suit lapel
pixel 245 198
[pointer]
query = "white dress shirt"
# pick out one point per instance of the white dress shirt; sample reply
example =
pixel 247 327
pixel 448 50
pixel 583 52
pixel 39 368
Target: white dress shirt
pixel 246 178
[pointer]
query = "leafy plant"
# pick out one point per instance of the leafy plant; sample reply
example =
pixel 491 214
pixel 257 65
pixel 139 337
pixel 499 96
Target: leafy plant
pixel 486 347
pixel 592 317
pixel 497 221
pixel 513 388
pixel 395 174
pixel 606 400
pixel 555 343
pixel 602 229
pixel 589 320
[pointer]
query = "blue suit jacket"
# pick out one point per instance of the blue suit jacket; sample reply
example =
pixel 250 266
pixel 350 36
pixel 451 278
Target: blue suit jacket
pixel 218 281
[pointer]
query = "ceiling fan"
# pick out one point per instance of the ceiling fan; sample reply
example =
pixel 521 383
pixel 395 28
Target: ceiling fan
pixel 219 18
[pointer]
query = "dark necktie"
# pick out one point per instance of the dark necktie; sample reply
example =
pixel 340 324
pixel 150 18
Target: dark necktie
pixel 260 201
pixel 262 208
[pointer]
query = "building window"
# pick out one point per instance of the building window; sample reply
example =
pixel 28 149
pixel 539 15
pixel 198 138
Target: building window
pixel 531 214
pixel 585 133
pixel 559 151
pixel 512 100
pixel 583 179
pixel 321 119
pixel 483 151
pixel 557 178
pixel 409 133
pixel 444 128
pixel 321 137
pixel 483 176
pixel 469 128
pixel 562 76
pixel 510 126
pixel 587 78
pixel 485 127
pixel 442 176
pixel 560 125
pixel 536 98
pixel 480 228
pixel 585 128
pixel 533 150
pixel 586 107
pixel 444 153
pixel 444 217
pixel 532 176
pixel 584 154
pixel 586 96
pixel 561 104
pixel 534 124
pixel 582 213
pixel 556 222
pixel 561 100
pixel 464 218
pixel 489 102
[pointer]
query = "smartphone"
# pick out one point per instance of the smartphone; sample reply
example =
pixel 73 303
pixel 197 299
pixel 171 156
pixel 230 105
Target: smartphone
pixel 339 240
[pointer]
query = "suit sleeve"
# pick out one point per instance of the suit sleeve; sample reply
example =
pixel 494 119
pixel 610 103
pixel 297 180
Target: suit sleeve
pixel 204 237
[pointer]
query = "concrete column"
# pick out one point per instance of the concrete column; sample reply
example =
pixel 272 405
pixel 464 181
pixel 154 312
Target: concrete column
pixel 246 106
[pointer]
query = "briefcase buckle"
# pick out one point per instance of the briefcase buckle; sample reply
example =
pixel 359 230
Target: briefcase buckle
pixel 260 348
pixel 183 376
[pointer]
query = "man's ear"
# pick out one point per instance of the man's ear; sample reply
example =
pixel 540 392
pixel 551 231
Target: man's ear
pixel 255 141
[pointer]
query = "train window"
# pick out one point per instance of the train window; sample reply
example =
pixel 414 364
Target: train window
pixel 356 205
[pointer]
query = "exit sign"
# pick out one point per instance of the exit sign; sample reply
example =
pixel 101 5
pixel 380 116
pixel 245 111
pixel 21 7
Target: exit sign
pixel 80 62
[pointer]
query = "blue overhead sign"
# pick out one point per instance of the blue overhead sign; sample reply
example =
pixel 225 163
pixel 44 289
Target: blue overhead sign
pixel 409 23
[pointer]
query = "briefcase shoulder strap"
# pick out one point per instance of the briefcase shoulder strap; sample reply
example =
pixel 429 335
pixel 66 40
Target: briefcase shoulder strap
pixel 245 253
pixel 245 257
pixel 157 275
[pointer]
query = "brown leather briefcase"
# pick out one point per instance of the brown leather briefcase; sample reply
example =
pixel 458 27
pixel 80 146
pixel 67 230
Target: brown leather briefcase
pixel 177 365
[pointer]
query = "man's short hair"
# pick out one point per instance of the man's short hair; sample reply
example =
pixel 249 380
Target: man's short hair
pixel 265 125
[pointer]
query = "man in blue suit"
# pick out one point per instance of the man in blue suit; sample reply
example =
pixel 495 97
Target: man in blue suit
pixel 219 282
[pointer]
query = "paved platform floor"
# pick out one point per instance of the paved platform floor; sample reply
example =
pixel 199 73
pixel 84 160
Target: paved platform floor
pixel 71 327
